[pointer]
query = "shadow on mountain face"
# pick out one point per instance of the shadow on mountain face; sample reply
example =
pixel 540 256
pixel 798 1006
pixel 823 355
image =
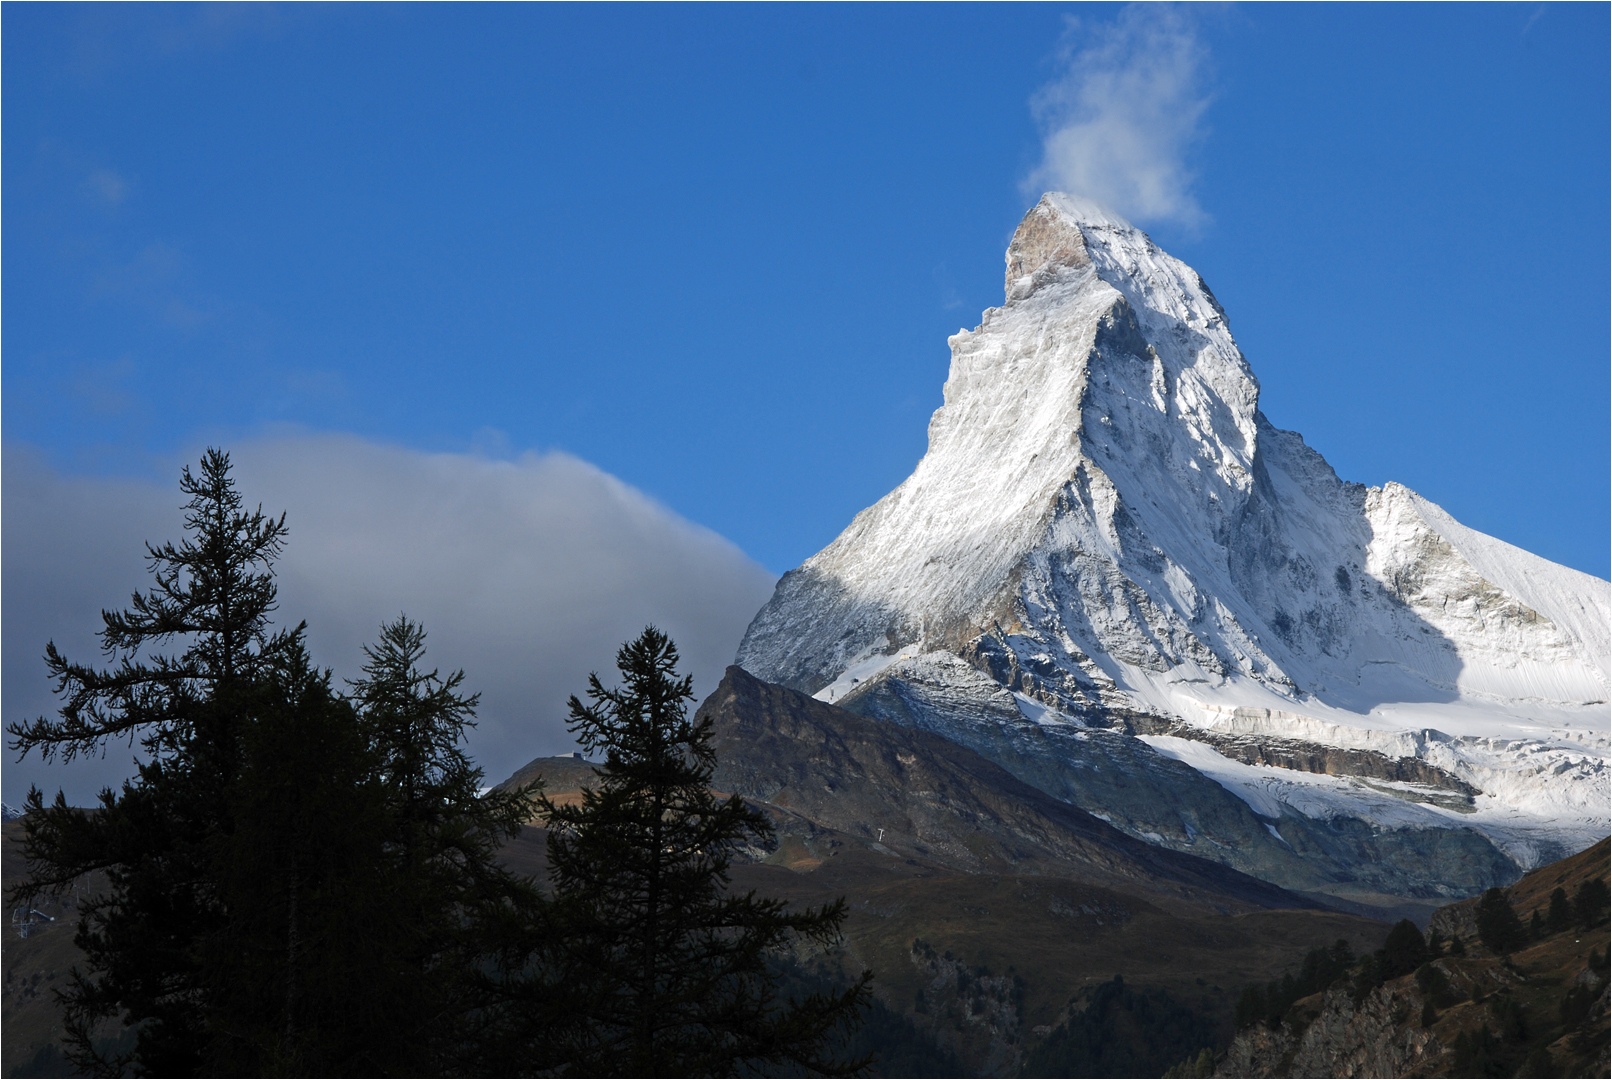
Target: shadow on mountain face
pixel 1156 798
pixel 1297 558
pixel 919 794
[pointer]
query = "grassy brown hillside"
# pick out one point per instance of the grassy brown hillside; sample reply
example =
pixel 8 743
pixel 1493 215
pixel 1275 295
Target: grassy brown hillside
pixel 30 1022
pixel 1530 894
pixel 989 912
pixel 1002 958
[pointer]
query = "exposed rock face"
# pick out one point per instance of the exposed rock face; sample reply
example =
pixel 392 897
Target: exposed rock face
pixel 1344 1039
pixel 972 999
pixel 1108 547
pixel 914 793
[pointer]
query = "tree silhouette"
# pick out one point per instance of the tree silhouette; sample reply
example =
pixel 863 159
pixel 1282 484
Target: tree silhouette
pixel 665 970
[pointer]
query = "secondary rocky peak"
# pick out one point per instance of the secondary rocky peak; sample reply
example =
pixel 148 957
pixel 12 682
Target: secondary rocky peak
pixel 1047 240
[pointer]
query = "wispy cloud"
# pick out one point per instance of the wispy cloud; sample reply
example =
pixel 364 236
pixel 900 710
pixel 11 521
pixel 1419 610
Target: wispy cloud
pixel 527 574
pixel 1119 122
pixel 106 187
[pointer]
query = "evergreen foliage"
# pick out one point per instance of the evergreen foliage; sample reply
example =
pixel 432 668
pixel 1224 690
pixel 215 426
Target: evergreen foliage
pixel 156 838
pixel 1122 1032
pixel 1560 916
pixel 451 903
pixel 1194 1067
pixel 298 882
pixel 1577 1003
pixel 1268 1004
pixel 1498 926
pixel 894 1044
pixel 664 972
pixel 1478 1054
pixel 297 874
pixel 1404 951
pixel 1497 1050
pixel 1590 901
pixel 1435 985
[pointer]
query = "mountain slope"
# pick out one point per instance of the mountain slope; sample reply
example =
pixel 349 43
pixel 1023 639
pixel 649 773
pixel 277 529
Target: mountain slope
pixel 1106 535
pixel 1539 1011
pixel 984 906
pixel 913 793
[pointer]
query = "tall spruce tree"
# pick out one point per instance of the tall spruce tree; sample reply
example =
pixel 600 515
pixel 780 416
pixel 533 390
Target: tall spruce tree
pixel 453 903
pixel 213 594
pixel 665 971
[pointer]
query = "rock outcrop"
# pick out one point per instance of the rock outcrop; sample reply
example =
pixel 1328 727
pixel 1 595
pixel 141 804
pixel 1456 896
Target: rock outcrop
pixel 1542 1009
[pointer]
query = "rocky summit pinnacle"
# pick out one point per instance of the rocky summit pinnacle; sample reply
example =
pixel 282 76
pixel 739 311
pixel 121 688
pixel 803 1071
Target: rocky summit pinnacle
pixel 1111 574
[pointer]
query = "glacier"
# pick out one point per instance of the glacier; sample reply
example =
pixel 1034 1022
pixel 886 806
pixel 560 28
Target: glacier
pixel 1114 576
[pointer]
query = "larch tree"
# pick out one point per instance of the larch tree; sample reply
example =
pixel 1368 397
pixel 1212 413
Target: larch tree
pixel 665 970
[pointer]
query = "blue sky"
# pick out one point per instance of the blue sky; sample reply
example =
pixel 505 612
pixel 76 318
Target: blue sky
pixel 716 251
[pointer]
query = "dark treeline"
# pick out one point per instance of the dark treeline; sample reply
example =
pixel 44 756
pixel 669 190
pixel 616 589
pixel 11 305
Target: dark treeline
pixel 1506 1040
pixel 1406 950
pixel 1122 1031
pixel 305 879
pixel 1268 1003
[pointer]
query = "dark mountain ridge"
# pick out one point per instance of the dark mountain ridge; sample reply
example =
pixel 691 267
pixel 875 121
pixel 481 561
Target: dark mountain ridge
pixel 922 796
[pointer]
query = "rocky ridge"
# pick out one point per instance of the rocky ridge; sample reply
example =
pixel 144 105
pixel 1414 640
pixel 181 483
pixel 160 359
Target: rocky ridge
pixel 912 794
pixel 1115 578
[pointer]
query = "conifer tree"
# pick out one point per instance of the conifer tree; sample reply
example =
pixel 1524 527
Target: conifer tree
pixel 1560 916
pixel 1590 901
pixel 297 972
pixel 451 899
pixel 665 971
pixel 213 594
pixel 1404 951
pixel 361 880
pixel 1498 926
pixel 298 882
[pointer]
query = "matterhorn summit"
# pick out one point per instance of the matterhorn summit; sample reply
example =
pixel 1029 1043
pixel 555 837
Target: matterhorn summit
pixel 1113 576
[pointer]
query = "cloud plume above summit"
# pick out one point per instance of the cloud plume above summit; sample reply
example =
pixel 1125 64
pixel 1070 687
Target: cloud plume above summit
pixel 1119 122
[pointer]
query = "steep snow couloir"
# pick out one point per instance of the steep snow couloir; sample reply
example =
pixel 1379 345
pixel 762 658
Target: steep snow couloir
pixel 1114 576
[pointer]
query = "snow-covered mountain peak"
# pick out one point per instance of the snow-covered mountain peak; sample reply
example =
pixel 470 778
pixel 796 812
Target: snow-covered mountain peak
pixel 1104 520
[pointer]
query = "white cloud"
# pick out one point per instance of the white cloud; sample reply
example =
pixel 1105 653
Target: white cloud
pixel 527 574
pixel 1120 121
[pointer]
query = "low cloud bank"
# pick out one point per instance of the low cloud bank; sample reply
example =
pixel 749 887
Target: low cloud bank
pixel 527 574
pixel 1118 123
